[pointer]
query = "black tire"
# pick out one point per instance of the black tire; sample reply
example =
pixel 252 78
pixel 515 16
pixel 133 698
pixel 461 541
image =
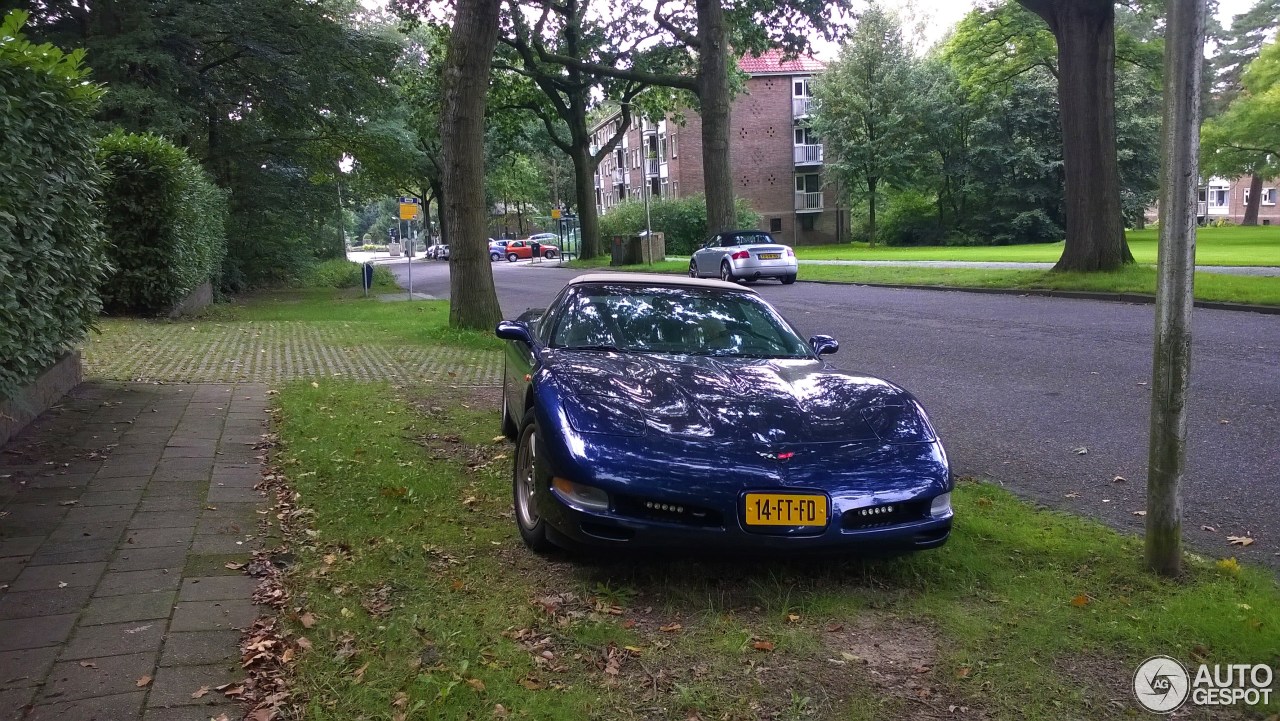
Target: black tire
pixel 693 268
pixel 495 257
pixel 726 272
pixel 509 428
pixel 788 279
pixel 549 255
pixel 533 529
pixel 512 257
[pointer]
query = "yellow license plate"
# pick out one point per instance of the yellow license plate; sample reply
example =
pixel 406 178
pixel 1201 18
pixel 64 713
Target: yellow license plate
pixel 785 509
pixel 769 256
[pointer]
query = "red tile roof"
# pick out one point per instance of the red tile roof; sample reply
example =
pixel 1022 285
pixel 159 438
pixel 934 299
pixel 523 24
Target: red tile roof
pixel 771 62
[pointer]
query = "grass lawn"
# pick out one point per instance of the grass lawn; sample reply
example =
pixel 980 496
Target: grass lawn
pixel 418 600
pixel 1259 245
pixel 1134 279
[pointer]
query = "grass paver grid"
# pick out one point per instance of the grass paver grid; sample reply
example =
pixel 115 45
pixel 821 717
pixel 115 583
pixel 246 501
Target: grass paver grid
pixel 92 596
pixel 272 352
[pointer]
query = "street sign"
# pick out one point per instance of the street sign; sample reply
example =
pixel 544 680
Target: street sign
pixel 408 211
pixel 555 214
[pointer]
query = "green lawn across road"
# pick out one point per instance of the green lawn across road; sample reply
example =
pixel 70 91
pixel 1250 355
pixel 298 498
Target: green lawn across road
pixel 1258 245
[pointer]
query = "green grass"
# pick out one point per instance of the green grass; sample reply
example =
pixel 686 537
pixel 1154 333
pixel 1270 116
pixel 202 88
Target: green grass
pixel 409 491
pixel 1134 279
pixel 1259 245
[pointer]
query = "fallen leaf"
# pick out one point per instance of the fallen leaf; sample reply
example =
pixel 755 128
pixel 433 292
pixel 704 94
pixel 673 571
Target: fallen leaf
pixel 68 503
pixel 1210 529
pixel 476 684
pixel 923 669
pixel 303 643
pixel 401 700
pixel 358 676
pixel 499 439
pixel 88 664
pixel 964 671
pixel 233 566
pixel 314 384
pixel 629 623
pixel 200 692
pixel 142 681
pixel 62 584
pixel 499 711
pixel 1080 601
pixel 835 627
pixel 1224 421
pixel 1239 541
pixel 793 618
pixel 532 683
pixel 330 558
pixel 671 628
pixel 1081 451
pixel 1119 479
pixel 1073 494
pixel 307 620
pixel 1139 513
pixel 763 645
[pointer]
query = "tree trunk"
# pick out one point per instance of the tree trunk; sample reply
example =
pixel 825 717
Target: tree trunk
pixel 871 216
pixel 585 190
pixel 473 299
pixel 1255 199
pixel 1175 274
pixel 714 101
pixel 1085 31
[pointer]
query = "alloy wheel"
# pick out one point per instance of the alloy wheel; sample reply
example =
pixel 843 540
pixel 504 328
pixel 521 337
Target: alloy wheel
pixel 526 461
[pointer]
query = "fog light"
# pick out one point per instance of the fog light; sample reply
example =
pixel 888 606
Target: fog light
pixel 941 505
pixel 587 496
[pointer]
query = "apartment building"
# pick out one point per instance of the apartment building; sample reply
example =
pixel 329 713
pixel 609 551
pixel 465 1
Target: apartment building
pixel 776 159
pixel 1221 198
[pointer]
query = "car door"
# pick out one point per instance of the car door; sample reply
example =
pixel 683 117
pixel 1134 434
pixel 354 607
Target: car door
pixel 708 257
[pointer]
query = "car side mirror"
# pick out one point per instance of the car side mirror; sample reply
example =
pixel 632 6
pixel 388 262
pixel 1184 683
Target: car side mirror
pixel 514 330
pixel 824 344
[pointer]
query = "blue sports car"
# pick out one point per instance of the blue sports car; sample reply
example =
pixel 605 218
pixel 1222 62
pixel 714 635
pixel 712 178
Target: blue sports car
pixel 653 411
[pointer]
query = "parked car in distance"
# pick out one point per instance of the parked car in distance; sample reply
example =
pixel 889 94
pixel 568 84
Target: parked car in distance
pixel 442 252
pixel 523 249
pixel 497 249
pixel 654 411
pixel 544 237
pixel 744 255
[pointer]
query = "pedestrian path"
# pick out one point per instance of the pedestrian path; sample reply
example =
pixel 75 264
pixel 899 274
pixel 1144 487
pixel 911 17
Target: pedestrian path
pixel 125 514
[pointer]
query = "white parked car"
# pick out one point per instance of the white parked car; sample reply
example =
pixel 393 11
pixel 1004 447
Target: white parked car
pixel 744 255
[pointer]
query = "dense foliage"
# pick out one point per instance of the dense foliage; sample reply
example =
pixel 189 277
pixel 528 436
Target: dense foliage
pixel 682 220
pixel 165 220
pixel 50 240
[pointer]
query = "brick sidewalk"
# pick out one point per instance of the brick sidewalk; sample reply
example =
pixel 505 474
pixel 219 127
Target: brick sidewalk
pixel 121 509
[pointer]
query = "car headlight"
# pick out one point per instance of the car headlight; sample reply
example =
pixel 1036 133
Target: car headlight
pixel 941 505
pixel 901 422
pixel 586 496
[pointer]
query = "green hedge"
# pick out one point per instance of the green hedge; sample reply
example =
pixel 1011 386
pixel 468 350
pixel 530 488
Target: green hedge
pixel 683 220
pixel 51 257
pixel 338 273
pixel 166 221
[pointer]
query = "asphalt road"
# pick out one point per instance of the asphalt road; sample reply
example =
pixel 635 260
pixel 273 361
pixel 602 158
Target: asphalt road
pixel 1015 385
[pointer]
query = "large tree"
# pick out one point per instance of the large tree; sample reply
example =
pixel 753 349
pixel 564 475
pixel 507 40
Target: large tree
pixel 1085 35
pixel 1246 138
pixel 864 101
pixel 473 299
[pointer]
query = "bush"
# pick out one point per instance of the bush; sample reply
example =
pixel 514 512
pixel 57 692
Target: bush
pixel 343 274
pixel 51 245
pixel 166 221
pixel 683 220
pixel 910 219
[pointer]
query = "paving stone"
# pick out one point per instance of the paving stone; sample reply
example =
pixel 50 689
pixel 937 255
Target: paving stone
pixel 45 602
pixel 27 667
pixel 20 546
pixel 217 588
pixel 237 478
pixel 94 677
pixel 213 615
pixel 119 707
pixel 189 648
pixel 128 608
pixel 35 632
pixel 98 514
pixel 191 466
pixel 114 639
pixel 158 537
pixel 47 496
pixel 221 494
pixel 221 543
pixel 110 498
pixel 123 469
pixel 141 559
pixel 105 531
pixel 239 525
pixel 156 504
pixel 164 519
pixel 14 702
pixel 125 582
pixel 72 574
pixel 194 713
pixel 175 684
pixel 205 451
pixel 122 483
pixel 11 567
pixel 72 552
pixel 186 489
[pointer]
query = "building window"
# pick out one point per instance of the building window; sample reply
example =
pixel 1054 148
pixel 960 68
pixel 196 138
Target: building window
pixel 675 188
pixel 673 145
pixel 1268 196
pixel 802 88
pixel 808 183
pixel 1217 197
pixel 806 136
pixel 775 225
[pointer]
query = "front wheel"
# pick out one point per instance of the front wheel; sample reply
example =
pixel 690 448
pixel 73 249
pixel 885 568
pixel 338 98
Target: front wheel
pixel 788 279
pixel 549 255
pixel 693 269
pixel 524 488
pixel 512 257
pixel 726 273
pixel 495 256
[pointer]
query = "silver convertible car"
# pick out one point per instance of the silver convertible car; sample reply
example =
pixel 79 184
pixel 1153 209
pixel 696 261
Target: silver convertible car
pixel 746 255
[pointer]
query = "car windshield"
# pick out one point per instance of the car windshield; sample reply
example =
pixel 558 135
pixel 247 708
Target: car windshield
pixel 688 320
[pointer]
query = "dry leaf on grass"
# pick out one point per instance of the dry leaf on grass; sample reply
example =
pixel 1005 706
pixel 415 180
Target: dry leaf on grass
pixel 303 643
pixel 1239 541
pixel 671 628
pixel 763 645
pixel 307 620
pixel 476 684
pixel 1080 601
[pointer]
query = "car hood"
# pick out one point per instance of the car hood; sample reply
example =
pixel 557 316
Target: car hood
pixel 775 403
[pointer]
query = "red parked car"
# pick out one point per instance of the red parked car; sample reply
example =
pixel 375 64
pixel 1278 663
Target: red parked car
pixel 523 249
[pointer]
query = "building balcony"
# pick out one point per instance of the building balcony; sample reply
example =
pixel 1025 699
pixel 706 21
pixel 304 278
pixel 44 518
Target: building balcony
pixel 651 167
pixel 808 154
pixel 597 177
pixel 619 176
pixel 808 202
pixel 801 107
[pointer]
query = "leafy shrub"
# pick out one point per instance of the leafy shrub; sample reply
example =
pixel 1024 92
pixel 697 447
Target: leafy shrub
pixel 166 221
pixel 51 245
pixel 683 220
pixel 910 219
pixel 370 247
pixel 1222 222
pixel 343 274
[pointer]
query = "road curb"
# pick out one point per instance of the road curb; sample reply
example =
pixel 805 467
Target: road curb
pixel 1137 298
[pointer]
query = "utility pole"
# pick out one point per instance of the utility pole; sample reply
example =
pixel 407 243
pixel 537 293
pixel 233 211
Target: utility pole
pixel 1171 367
